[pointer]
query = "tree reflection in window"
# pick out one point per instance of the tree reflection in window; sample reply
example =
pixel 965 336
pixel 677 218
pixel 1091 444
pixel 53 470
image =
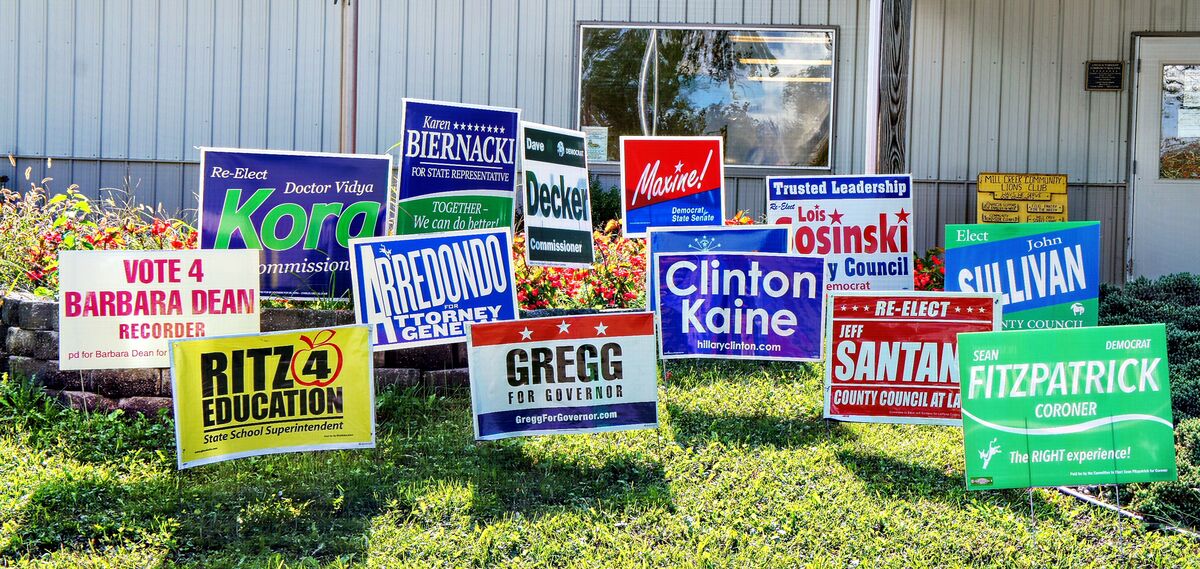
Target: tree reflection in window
pixel 768 92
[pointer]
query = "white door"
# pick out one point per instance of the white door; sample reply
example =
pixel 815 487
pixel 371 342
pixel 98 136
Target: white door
pixel 1165 188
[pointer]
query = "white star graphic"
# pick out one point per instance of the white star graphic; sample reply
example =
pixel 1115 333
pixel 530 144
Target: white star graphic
pixel 526 333
pixel 854 308
pixel 679 167
pixel 501 130
pixel 602 329
pixel 958 309
pixel 843 307
pixel 563 327
pixel 867 308
pixel 982 310
pixel 970 310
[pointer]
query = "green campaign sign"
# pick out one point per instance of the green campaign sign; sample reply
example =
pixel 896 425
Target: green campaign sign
pixel 1066 407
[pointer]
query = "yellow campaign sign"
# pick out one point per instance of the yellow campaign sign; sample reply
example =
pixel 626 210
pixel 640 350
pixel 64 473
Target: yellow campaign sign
pixel 1021 198
pixel 239 396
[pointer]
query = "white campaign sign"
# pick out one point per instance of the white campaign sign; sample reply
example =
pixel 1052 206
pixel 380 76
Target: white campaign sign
pixel 119 309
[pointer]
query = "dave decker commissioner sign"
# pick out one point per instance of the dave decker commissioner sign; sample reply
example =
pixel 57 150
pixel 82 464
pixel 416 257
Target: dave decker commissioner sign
pixel 558 217
pixel 1066 407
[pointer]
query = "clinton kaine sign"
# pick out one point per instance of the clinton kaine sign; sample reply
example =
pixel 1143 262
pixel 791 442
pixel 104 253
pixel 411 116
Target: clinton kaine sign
pixel 671 181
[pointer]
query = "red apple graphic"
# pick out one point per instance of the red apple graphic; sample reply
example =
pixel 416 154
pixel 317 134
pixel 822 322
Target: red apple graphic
pixel 317 366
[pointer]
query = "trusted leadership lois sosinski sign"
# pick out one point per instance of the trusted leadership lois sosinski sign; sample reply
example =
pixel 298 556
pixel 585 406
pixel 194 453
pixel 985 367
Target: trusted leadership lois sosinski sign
pixel 573 374
pixel 1066 407
pixel 861 224
pixel 755 306
pixel 119 309
pixel 458 167
pixel 558 218
pixel 421 290
pixel 671 181
pixel 724 239
pixel 893 356
pixel 239 396
pixel 300 208
pixel 1047 274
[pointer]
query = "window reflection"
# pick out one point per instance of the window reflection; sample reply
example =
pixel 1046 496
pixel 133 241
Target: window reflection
pixel 1179 144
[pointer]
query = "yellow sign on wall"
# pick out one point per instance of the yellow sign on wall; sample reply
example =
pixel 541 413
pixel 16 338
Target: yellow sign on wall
pixel 1021 198
pixel 239 396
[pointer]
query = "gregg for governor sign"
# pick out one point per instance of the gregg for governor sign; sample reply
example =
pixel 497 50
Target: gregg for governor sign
pixel 119 309
pixel 1066 407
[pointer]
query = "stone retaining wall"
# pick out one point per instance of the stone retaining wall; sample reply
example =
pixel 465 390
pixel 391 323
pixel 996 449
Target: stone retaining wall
pixel 29 348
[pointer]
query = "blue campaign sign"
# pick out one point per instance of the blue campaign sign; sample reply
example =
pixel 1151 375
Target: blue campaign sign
pixel 300 208
pixel 1047 274
pixel 721 239
pixel 759 306
pixel 418 290
pixel 458 166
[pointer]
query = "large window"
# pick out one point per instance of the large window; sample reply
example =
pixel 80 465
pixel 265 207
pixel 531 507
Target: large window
pixel 768 92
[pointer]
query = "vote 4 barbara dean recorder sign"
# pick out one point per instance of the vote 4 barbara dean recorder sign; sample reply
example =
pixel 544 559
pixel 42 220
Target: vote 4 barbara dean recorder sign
pixel 119 309
pixel 1066 407
pixel 893 357
pixel 558 217
pixel 574 374
pixel 421 290
pixel 758 306
pixel 239 396
pixel 671 181
pixel 724 239
pixel 458 166
pixel 1047 274
pixel 300 208
pixel 859 223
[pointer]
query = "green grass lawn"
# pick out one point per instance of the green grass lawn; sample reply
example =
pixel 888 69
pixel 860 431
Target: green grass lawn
pixel 742 473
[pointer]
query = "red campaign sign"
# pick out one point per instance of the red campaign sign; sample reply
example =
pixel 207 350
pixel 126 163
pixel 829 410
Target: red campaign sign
pixel 670 181
pixel 893 358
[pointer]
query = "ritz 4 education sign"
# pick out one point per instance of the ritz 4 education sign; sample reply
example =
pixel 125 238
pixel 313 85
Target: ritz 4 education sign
pixel 239 396
pixel 861 224
pixel 119 309
pixel 421 290
pixel 1047 274
pixel 458 166
pixel 300 208
pixel 671 181
pixel 893 356
pixel 574 374
pixel 1066 407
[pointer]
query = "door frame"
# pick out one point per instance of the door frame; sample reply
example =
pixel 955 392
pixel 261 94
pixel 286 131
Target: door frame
pixel 1135 65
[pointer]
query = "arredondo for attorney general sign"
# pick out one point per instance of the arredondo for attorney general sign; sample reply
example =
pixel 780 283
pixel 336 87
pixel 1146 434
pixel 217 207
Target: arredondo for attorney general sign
pixel 458 167
pixel 558 217
pixel 574 374
pixel 1066 407
pixel 300 208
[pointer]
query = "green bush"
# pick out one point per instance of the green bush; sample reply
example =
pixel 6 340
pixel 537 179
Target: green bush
pixel 1179 501
pixel 606 204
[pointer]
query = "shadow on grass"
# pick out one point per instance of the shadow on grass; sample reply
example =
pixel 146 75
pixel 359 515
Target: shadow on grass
pixel 696 428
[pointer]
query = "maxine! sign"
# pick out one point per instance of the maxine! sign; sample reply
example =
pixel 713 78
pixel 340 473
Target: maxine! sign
pixel 724 239
pixel 458 166
pixel 893 357
pixel 239 396
pixel 300 208
pixel 1047 274
pixel 1066 407
pixel 424 290
pixel 119 309
pixel 576 374
pixel 558 216
pixel 671 181
pixel 861 224
pixel 758 306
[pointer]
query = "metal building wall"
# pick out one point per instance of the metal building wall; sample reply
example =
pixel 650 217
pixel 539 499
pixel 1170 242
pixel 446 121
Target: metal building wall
pixel 998 86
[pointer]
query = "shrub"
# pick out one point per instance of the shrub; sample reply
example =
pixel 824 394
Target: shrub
pixel 616 280
pixel 1179 501
pixel 929 272
pixel 606 204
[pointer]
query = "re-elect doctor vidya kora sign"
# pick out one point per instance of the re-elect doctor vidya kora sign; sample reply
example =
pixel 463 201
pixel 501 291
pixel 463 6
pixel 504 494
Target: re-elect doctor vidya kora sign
pixel 1047 274
pixel 119 309
pixel 239 396
pixel 420 290
pixel 893 356
pixel 574 374
pixel 757 306
pixel 861 224
pixel 458 167
pixel 1066 407
pixel 300 208
pixel 558 210
pixel 671 181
